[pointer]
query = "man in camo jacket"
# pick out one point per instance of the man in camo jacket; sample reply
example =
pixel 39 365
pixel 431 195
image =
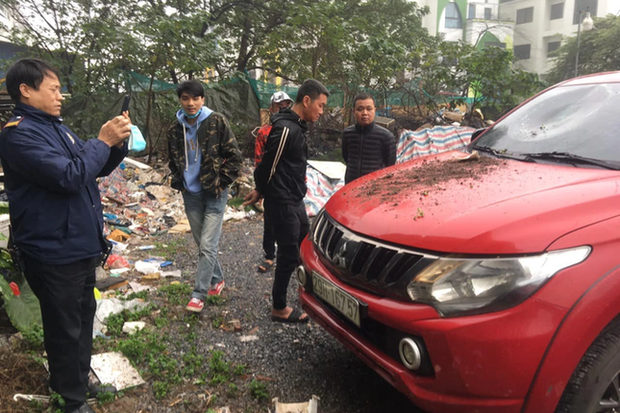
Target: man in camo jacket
pixel 204 159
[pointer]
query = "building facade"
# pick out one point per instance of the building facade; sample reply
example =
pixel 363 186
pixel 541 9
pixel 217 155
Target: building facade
pixel 540 26
pixel 475 22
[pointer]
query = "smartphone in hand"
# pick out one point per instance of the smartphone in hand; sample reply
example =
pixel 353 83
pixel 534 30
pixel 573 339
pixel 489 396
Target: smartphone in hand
pixel 125 106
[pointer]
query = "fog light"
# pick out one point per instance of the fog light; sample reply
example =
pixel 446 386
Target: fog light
pixel 301 275
pixel 409 353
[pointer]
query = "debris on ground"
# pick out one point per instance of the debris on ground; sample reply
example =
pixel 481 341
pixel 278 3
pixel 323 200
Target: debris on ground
pixel 114 369
pixel 130 327
pixel 311 406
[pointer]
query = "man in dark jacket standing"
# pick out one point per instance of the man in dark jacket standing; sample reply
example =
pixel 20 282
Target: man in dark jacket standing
pixel 204 159
pixel 281 179
pixel 366 146
pixel 56 217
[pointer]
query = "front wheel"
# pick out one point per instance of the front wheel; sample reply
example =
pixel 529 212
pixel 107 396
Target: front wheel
pixel 595 384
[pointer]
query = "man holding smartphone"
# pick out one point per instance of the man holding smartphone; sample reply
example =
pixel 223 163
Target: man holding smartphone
pixel 56 218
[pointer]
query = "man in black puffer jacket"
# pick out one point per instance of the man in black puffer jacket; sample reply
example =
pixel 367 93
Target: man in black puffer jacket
pixel 366 146
pixel 280 178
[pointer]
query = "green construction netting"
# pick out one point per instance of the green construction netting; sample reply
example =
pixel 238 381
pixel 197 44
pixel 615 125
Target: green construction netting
pixel 234 97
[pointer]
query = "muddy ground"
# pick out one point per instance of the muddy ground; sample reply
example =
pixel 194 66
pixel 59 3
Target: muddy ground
pixel 198 363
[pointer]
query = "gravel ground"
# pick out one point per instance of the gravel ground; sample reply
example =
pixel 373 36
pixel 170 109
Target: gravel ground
pixel 304 360
pixel 295 362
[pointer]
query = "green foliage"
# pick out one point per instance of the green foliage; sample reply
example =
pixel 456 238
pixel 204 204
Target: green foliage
pixel 485 76
pixel 214 300
pixel 23 309
pixel 177 293
pixel 240 370
pixel 57 400
pixel 233 390
pixel 598 51
pixel 115 322
pixel 105 397
pixel 142 295
pixel 258 390
pixel 162 319
pixel 33 337
pixel 169 248
pixel 161 389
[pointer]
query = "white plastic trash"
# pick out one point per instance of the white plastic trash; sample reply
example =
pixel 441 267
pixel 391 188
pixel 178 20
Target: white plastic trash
pixel 131 327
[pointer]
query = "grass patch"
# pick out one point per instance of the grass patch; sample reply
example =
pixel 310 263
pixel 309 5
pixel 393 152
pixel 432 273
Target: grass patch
pixel 33 337
pixel 141 295
pixel 115 321
pixel 258 390
pixel 169 248
pixel 176 294
pixel 214 300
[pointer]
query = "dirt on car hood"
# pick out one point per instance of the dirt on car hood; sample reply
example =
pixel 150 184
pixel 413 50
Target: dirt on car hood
pixel 482 205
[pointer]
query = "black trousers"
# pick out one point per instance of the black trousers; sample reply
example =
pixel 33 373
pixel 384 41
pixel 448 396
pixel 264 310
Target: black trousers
pixel 68 307
pixel 269 239
pixel 290 227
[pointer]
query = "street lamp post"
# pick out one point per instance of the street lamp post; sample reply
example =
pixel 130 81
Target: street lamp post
pixel 588 24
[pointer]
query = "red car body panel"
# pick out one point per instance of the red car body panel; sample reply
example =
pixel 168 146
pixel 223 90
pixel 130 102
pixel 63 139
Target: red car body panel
pixel 515 360
pixel 508 205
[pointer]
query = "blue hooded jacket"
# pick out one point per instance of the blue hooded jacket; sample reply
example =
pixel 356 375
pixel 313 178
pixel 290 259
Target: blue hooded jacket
pixel 50 180
pixel 193 156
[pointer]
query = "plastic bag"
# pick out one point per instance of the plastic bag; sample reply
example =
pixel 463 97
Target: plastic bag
pixel 116 261
pixel 136 141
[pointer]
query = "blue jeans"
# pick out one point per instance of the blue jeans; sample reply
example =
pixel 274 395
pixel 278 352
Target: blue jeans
pixel 205 213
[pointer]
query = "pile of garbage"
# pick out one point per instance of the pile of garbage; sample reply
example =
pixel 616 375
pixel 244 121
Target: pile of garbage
pixel 139 206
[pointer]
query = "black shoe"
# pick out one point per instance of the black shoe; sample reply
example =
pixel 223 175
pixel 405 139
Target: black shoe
pixel 85 408
pixel 93 390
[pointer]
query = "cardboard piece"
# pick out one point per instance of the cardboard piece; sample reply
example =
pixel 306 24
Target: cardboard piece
pixel 311 406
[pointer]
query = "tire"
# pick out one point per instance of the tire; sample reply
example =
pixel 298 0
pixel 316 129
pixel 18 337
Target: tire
pixel 595 384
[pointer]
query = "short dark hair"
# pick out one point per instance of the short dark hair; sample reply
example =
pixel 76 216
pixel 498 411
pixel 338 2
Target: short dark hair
pixel 312 88
pixel 192 88
pixel 28 71
pixel 363 96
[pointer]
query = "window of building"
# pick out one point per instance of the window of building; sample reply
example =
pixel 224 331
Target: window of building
pixel 453 17
pixel 501 45
pixel 525 15
pixel 552 47
pixel 557 11
pixel 522 52
pixel 584 5
pixel 488 13
pixel 471 13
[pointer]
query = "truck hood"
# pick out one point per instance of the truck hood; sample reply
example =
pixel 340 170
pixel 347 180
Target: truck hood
pixel 479 205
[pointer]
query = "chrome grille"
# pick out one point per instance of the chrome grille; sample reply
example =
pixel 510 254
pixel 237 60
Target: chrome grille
pixel 364 262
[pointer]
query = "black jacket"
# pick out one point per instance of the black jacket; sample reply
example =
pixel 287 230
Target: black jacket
pixel 50 174
pixel 281 175
pixel 367 149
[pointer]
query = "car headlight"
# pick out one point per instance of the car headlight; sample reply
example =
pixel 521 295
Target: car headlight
pixel 456 286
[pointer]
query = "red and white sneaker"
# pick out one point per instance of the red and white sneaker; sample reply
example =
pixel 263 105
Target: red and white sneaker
pixel 195 305
pixel 216 289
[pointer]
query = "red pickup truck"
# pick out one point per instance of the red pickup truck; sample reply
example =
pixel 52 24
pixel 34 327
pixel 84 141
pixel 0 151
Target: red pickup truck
pixel 486 280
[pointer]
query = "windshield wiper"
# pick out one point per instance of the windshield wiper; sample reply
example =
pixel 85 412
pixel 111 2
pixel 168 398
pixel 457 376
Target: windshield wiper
pixel 501 153
pixel 565 157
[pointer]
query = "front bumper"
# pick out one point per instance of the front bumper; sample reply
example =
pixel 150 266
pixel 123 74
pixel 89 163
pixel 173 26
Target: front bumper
pixel 482 364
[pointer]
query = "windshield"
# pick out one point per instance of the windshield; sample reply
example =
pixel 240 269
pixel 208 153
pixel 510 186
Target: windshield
pixel 583 121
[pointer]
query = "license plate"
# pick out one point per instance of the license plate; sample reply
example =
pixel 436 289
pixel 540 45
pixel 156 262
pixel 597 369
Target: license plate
pixel 335 296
